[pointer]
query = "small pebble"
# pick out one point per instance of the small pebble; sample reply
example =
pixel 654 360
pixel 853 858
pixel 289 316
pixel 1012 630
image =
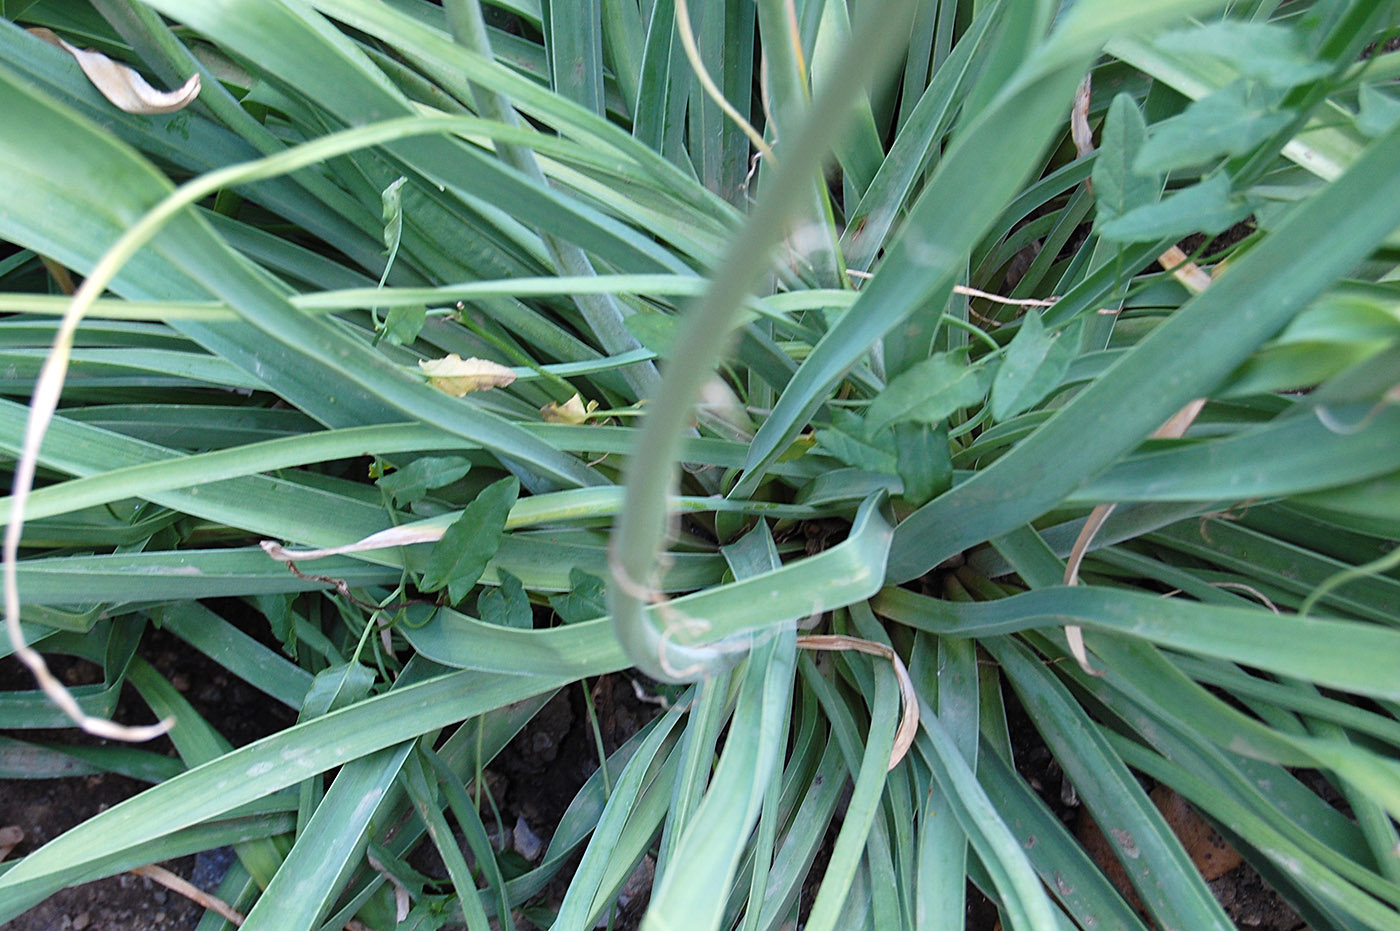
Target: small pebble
pixel 210 867
pixel 527 843
pixel 82 921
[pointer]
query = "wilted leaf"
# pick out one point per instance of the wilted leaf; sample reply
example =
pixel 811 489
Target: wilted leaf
pixel 121 85
pixel 928 392
pixel 408 886
pixel 457 376
pixel 506 605
pixel 587 599
pixel 460 557
pixel 1207 207
pixel 1035 362
pixel 391 208
pixel 720 409
pixel 1117 187
pixel 1379 112
pixel 414 480
pixel 1269 53
pixel 402 324
pixel 798 448
pixel 1224 123
pixel 572 411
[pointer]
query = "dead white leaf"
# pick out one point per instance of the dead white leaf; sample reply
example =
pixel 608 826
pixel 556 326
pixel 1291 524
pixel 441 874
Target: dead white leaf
pixel 403 901
pixel 457 376
pixel 571 411
pixel 406 535
pixel 121 85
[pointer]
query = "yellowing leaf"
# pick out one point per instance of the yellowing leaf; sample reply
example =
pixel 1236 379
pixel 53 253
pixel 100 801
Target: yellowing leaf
pixel 571 411
pixel 123 86
pixel 457 376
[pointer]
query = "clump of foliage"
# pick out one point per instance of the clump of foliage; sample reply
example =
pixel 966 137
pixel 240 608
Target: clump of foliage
pixel 957 393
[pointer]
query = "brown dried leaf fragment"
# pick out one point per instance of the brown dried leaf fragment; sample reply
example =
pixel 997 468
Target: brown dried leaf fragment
pixel 10 837
pixel 457 376
pixel 908 727
pixel 572 411
pixel 123 86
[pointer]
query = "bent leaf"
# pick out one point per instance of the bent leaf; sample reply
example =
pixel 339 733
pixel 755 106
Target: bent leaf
pixel 123 86
pixel 457 376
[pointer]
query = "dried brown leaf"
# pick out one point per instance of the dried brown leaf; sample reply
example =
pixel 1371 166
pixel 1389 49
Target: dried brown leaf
pixel 572 411
pixel 121 85
pixel 10 837
pixel 908 727
pixel 1079 129
pixel 457 376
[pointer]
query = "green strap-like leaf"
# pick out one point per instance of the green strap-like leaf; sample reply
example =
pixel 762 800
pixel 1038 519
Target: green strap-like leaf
pixel 1181 359
pixel 329 847
pixel 1161 872
pixel 1363 658
pixel 981 171
pixel 254 771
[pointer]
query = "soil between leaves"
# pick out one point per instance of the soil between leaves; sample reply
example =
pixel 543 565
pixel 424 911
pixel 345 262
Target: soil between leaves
pixel 533 781
pixel 45 808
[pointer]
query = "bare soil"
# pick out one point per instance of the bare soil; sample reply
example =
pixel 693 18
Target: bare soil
pixel 533 781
